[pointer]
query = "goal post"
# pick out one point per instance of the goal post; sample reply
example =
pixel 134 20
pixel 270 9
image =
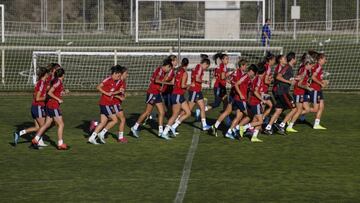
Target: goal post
pixel 2 10
pixel 230 9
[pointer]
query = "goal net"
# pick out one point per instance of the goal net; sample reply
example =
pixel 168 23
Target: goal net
pixel 87 67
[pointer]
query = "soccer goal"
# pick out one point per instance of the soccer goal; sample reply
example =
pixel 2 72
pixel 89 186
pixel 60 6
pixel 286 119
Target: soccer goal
pixel 85 69
pixel 198 20
pixel 2 11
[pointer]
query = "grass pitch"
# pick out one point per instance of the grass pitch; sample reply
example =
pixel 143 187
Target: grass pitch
pixel 310 166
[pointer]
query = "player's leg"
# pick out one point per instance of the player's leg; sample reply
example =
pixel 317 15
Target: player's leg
pixel 222 116
pixel 104 113
pixel 111 123
pixel 148 109
pixel 201 105
pixel 122 118
pixel 257 121
pixel 269 106
pixel 60 125
pixel 42 130
pixel 299 99
pixel 231 131
pixel 161 114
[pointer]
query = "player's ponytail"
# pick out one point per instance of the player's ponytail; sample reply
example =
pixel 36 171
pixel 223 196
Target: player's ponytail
pixel 204 56
pixel 205 61
pixel 278 58
pixel 220 56
pixel 184 62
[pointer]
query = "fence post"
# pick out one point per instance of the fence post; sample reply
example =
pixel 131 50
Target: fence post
pixel 357 20
pixel 62 20
pixel 3 66
pixel 179 38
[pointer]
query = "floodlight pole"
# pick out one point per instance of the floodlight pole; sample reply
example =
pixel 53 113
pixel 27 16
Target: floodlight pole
pixel 136 20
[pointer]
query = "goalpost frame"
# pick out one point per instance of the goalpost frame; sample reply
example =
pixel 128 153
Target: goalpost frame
pixel 137 10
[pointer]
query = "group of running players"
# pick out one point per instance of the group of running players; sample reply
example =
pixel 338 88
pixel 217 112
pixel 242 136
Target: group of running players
pixel 255 109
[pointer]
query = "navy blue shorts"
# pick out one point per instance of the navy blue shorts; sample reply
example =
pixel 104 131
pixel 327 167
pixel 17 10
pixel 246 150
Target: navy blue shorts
pixel 256 109
pixel 230 99
pixel 195 96
pixel 38 112
pixel 117 108
pixel 301 98
pixel 167 98
pixel 239 105
pixel 153 99
pixel 219 91
pixel 53 112
pixel 107 110
pixel 316 96
pixel 177 99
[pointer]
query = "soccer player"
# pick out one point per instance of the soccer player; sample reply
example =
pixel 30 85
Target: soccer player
pixel 235 76
pixel 178 100
pixel 106 104
pixel 284 79
pixel 256 99
pixel 316 96
pixel 153 98
pixel 53 110
pixel 240 99
pixel 166 90
pixel 37 107
pixel 301 89
pixel 118 99
pixel 267 79
pixel 195 93
pixel 220 80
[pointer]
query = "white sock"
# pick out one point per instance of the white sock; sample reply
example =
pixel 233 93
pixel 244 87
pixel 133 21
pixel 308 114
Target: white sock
pixel 237 127
pixel 268 127
pixel 176 124
pixel 23 132
pixel 121 135
pixel 103 132
pixel 317 122
pixel 60 142
pixel 291 124
pixel 255 134
pixel 282 124
pixel 229 131
pixel 167 129
pixel 217 124
pixel 136 126
pixel 37 137
pixel 161 129
pixel 178 118
pixel 206 108
pixel 93 136
pixel 203 121
pixel 247 126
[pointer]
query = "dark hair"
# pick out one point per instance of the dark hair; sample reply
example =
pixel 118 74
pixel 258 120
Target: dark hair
pixel 219 55
pixel 320 56
pixel 184 62
pixel 41 72
pixel 242 61
pixel 52 66
pixel 290 56
pixel 59 73
pixel 115 69
pixel 267 20
pixel 278 58
pixel 172 57
pixel 207 61
pixel 313 53
pixel 269 56
pixel 260 69
pixel 122 69
pixel 204 56
pixel 167 62
pixel 253 68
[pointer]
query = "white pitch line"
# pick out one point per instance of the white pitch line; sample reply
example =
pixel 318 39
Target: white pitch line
pixel 187 167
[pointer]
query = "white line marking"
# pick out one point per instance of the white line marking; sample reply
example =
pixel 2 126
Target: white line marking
pixel 187 167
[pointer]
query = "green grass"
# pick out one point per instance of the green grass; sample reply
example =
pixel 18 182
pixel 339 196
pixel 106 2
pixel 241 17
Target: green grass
pixel 310 166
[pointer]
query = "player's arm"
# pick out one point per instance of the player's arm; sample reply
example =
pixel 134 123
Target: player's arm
pixel 197 77
pixel 258 95
pixel 268 79
pixel 184 81
pixel 237 89
pixel 38 97
pixel 100 88
pixel 316 80
pixel 280 78
pixel 51 94
pixel 301 81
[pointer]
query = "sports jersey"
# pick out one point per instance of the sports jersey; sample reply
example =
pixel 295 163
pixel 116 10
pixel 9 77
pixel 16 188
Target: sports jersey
pixel 39 87
pixel 243 86
pixel 167 89
pixel 319 70
pixel 257 83
pixel 195 85
pixel 218 72
pixel 235 76
pixel 303 73
pixel 119 85
pixel 108 86
pixel 282 87
pixel 267 73
pixel 57 84
pixel 178 80
pixel 154 88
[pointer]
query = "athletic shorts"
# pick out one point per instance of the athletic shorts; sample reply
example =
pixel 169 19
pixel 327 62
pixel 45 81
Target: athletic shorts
pixel 153 99
pixel 53 112
pixel 239 105
pixel 230 99
pixel 284 101
pixel 301 98
pixel 195 96
pixel 107 110
pixel 167 99
pixel 38 112
pixel 316 96
pixel 117 108
pixel 219 91
pixel 256 109
pixel 177 99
